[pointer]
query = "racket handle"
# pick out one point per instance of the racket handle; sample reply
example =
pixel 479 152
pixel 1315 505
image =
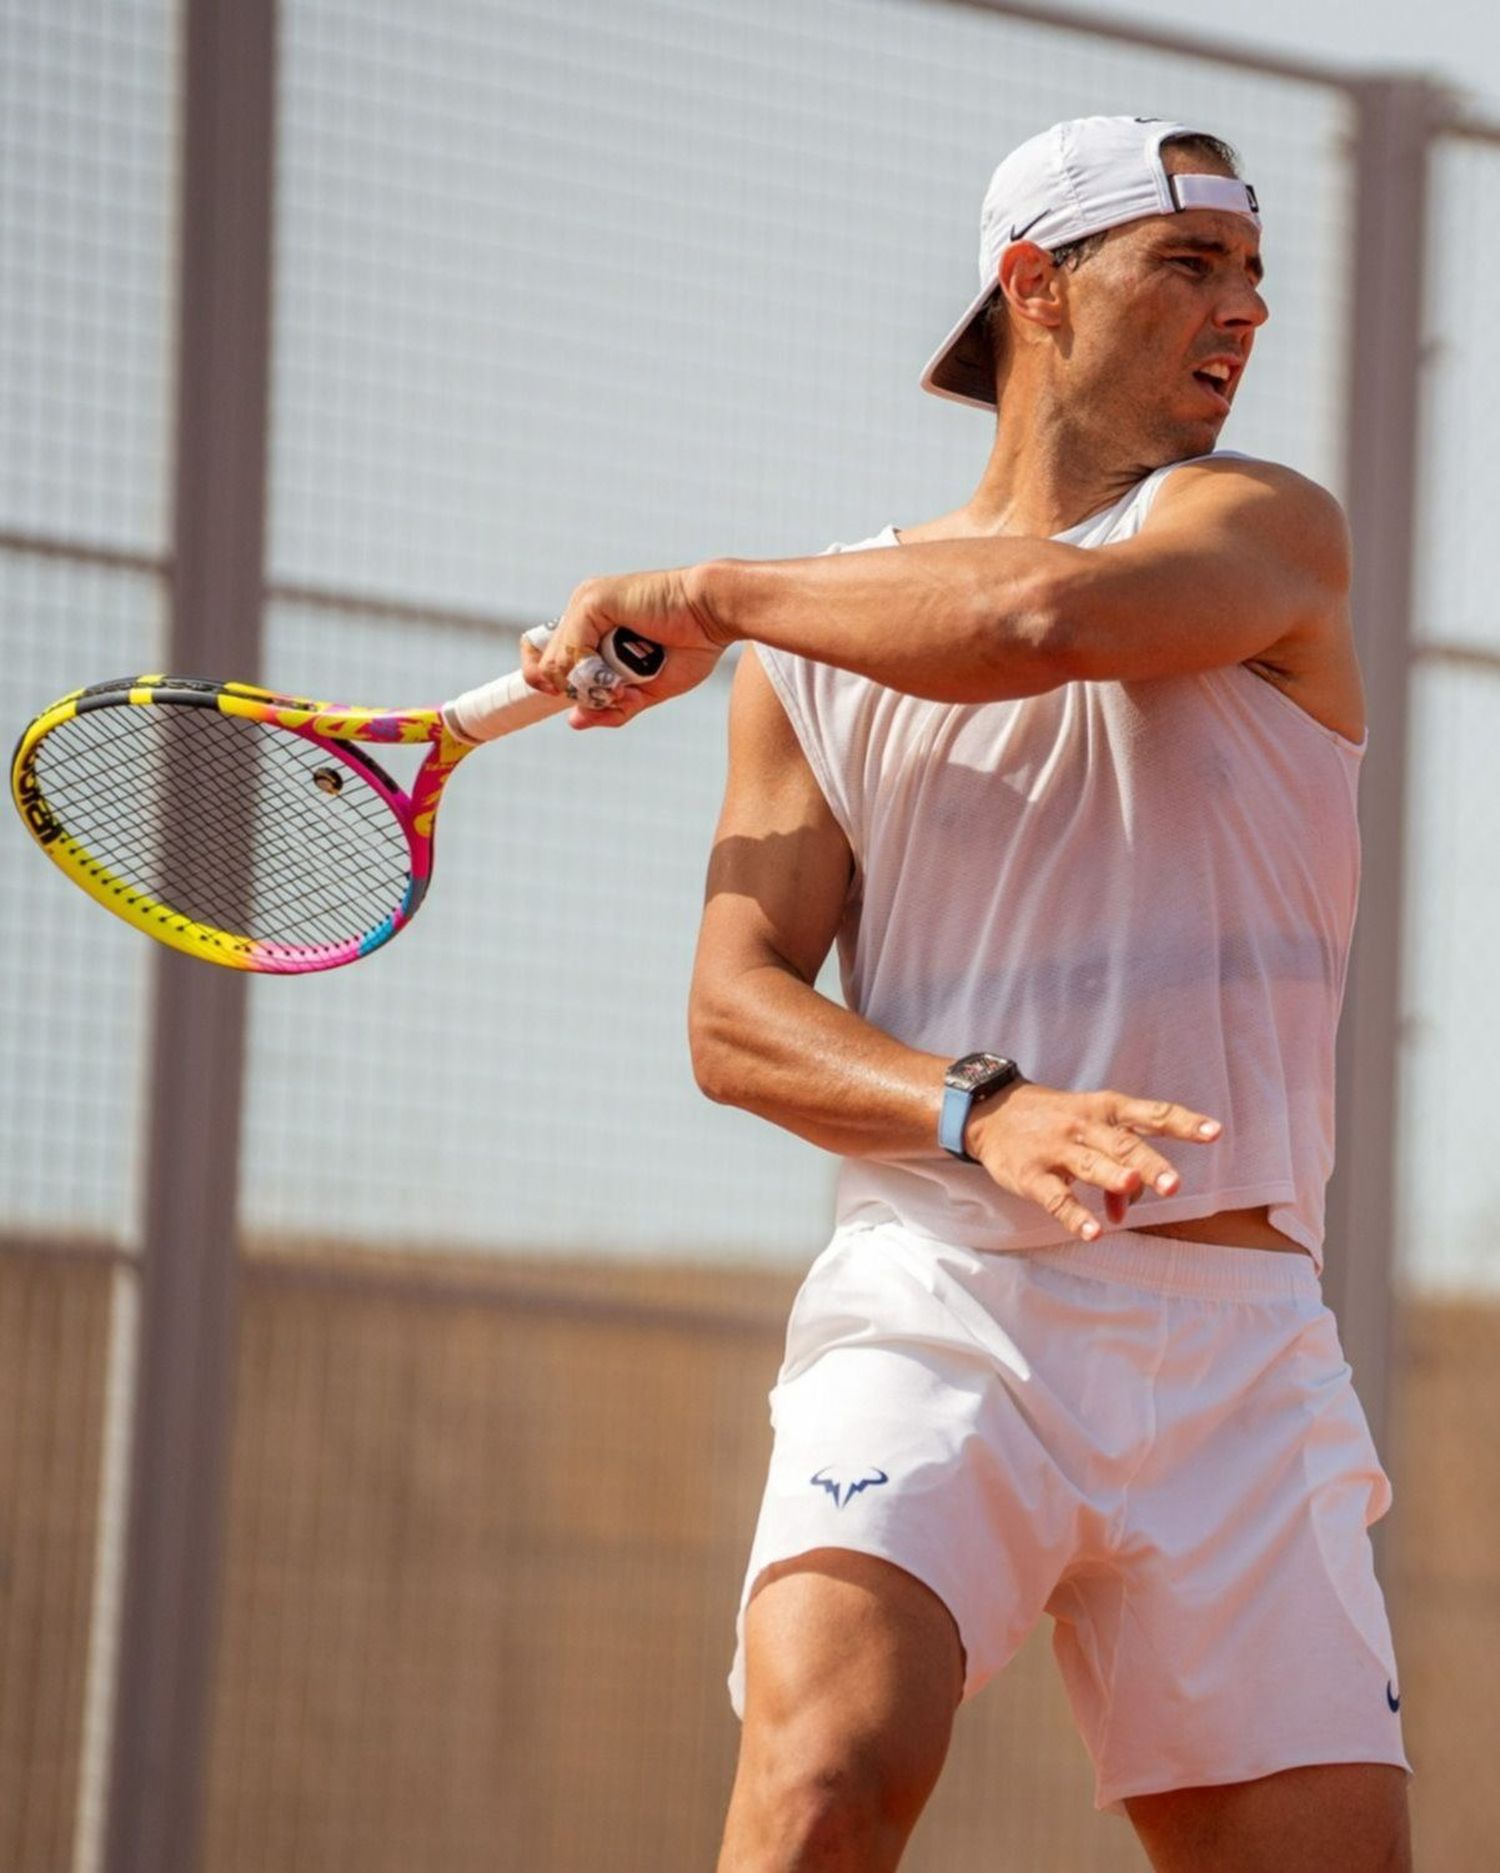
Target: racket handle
pixel 509 703
pixel 495 709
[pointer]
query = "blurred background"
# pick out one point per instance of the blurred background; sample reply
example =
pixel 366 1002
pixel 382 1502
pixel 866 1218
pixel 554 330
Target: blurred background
pixel 383 1355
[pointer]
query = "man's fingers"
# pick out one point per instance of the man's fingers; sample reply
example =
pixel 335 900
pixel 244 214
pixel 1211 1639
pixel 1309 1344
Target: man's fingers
pixel 1099 1168
pixel 558 663
pixel 627 704
pixel 531 666
pixel 1053 1194
pixel 1038 1140
pixel 1126 1147
pixel 1161 1118
pixel 550 653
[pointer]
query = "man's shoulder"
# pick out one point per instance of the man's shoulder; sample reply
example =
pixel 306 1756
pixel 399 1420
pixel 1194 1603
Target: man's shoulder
pixel 1283 508
pixel 1295 518
pixel 1271 491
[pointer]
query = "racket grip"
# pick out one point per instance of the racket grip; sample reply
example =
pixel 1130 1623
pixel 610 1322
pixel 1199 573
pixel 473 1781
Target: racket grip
pixel 497 708
pixel 509 703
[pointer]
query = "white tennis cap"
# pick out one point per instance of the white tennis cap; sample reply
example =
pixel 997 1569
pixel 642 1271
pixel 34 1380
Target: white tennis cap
pixel 1076 179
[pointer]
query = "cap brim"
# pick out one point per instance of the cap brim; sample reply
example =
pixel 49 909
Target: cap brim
pixel 962 368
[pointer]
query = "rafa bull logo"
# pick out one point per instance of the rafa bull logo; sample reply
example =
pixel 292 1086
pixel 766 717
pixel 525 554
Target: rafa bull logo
pixel 844 1489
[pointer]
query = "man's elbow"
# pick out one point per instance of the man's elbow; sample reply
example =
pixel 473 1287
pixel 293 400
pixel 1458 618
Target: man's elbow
pixel 712 1049
pixel 1030 643
pixel 1069 631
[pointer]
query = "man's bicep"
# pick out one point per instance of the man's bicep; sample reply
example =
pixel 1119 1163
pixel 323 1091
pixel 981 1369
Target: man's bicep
pixel 781 866
pixel 1236 562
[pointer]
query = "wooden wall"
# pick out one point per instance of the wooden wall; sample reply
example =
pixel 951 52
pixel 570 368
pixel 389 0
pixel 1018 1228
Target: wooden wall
pixel 54 1327
pixel 486 1527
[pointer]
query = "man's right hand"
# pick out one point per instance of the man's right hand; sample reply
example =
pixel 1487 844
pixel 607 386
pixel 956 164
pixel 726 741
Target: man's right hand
pixel 1035 1141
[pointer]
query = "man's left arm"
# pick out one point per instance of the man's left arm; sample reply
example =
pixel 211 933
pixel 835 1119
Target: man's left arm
pixel 1237 560
pixel 1233 562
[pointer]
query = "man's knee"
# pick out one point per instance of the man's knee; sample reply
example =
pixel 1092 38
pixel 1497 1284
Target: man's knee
pixel 853 1673
pixel 833 1795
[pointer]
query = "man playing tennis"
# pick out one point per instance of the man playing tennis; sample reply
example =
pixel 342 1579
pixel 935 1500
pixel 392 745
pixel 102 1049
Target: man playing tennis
pixel 1069 774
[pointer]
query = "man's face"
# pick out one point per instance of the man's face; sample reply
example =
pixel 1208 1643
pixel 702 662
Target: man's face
pixel 1161 321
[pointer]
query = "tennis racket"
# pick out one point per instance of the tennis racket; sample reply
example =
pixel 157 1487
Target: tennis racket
pixel 255 830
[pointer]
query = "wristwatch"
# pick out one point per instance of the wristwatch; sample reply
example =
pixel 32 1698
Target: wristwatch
pixel 974 1077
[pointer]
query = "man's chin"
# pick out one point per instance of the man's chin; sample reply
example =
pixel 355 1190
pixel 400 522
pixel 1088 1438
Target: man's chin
pixel 1185 440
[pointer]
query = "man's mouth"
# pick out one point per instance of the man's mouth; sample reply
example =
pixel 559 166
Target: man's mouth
pixel 1217 377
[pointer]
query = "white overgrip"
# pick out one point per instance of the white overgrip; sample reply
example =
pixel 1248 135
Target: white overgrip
pixel 495 709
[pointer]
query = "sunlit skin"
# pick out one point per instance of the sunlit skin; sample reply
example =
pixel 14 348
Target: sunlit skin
pixel 853 1667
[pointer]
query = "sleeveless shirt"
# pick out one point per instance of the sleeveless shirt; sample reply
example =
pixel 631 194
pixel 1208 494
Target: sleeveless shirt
pixel 1142 886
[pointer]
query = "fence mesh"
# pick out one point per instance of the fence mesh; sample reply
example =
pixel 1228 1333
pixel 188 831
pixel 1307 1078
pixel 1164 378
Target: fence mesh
pixel 87 101
pixel 1453 895
pixel 1448 1530
pixel 563 289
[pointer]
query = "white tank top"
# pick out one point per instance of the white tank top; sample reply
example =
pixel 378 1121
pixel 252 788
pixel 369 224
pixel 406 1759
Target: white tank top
pixel 1144 886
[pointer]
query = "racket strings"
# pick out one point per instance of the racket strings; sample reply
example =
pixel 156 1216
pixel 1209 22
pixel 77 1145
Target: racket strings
pixel 188 863
pixel 183 851
pixel 224 821
pixel 322 842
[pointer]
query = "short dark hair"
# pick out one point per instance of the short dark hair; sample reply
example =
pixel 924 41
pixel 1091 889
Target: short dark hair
pixel 1073 254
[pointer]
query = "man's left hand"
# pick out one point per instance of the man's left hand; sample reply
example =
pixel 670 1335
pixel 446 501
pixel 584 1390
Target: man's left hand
pixel 667 607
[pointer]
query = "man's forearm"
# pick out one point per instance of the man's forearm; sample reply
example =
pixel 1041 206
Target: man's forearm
pixel 951 620
pixel 771 1044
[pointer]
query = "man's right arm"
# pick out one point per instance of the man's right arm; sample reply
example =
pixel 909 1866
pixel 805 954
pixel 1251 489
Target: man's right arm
pixel 763 1037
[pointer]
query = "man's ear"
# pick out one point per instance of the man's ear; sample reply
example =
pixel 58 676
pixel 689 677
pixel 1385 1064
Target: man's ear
pixel 1032 284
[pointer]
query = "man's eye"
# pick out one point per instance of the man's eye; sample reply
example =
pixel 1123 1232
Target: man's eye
pixel 1194 263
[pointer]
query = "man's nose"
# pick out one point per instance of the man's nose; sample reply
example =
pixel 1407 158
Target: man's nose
pixel 1243 306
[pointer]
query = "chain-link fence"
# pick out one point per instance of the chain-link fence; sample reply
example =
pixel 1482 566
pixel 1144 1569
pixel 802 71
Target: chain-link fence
pixel 470 1298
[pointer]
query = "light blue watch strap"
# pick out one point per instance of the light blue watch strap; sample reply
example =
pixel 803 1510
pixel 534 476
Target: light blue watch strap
pixel 975 1076
pixel 952 1119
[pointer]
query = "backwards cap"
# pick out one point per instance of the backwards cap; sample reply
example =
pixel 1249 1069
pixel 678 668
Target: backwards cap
pixel 1076 179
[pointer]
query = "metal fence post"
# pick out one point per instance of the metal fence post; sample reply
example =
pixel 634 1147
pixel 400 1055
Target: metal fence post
pixel 187 1336
pixel 1395 119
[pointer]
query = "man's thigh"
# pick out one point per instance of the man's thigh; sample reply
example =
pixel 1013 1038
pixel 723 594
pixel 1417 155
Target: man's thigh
pixel 853 1673
pixel 1331 1818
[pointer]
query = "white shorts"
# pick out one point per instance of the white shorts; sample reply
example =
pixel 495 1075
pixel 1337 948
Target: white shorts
pixel 1155 1441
